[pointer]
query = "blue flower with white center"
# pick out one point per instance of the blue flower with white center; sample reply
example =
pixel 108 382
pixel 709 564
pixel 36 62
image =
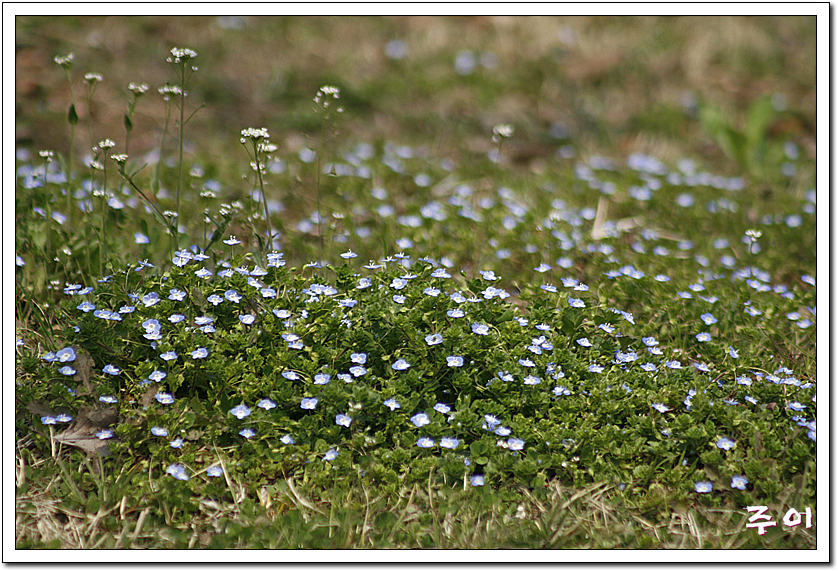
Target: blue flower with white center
pixel 730 402
pixel 796 406
pixel 673 364
pixel 358 371
pixel 127 309
pixel 232 241
pixel 491 422
pixel 393 404
pixel 177 295
pixel 199 353
pixel 573 302
pixel 704 487
pixel 67 370
pixel 240 411
pixel 104 434
pixel 177 471
pixel 449 442
pixel 708 318
pixel 560 391
pixel 733 353
pixel 607 327
pixel 108 399
pixel 110 369
pixel 330 455
pixel 48 420
pixel 661 408
pixel 345 377
pixel 168 356
pixel 399 298
pixel 232 295
pixel 526 363
pixel 343 420
pixel 584 342
pixel 67 418
pixel 549 288
pixel 455 313
pixel 287 440
pixel 65 355
pixel 531 380
pixel 431 291
pixel 86 306
pixel 433 339
pixel 247 432
pixel 751 399
pixel 215 472
pixel 515 444
pixel 480 328
pixel 739 482
pixel 203 273
pixel 322 379
pixel 401 365
pixel 655 350
pixel 425 442
pixel 359 358
pixel 203 320
pixel 398 283
pixel 477 480
pixel 505 376
pixel 176 443
pixel 150 299
pixel 503 431
pixel 703 337
pixel 159 431
pixel 348 303
pixel 725 443
pixel 420 419
pixel 594 368
pixel 650 341
pixel 702 367
pixel 176 317
pixel 164 398
pixel 215 299
pixel 266 404
pixel 454 361
pixel 442 408
pixel 349 254
pixel 247 319
pixel 542 268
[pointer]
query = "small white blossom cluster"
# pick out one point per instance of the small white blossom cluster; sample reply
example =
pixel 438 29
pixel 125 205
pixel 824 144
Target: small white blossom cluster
pixel 138 88
pixel 92 78
pixel 254 134
pixel 180 54
pixel 324 94
pixel 64 61
pixel 168 90
pixel 503 130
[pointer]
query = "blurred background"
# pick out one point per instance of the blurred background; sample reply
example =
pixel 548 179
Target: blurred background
pixel 618 85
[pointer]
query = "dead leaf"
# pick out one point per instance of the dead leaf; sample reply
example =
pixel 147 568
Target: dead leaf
pixel 82 432
pixel 84 366
pixel 39 408
pixel 148 395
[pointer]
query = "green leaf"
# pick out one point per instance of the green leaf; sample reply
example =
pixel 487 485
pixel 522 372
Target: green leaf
pixel 126 120
pixel 72 116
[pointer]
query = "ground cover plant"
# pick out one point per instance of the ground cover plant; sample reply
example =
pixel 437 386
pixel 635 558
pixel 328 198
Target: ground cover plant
pixel 364 342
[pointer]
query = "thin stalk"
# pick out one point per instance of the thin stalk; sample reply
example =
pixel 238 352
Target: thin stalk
pixel 264 202
pixel 317 182
pixel 180 162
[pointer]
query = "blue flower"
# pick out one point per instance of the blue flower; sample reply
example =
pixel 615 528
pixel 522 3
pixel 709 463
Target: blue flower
pixel 65 355
pixel 159 431
pixel 703 337
pixel 573 302
pixel 477 480
pixel 108 399
pixel 267 404
pixel 480 328
pixel 215 299
pixel 67 370
pixel 733 353
pixel 455 313
pixel 199 353
pixel 490 422
pixel 359 358
pixel 442 408
pixel 505 376
pixel 433 339
pixel 308 403
pixel 704 487
pixel 63 418
pixel 247 319
pixel 164 398
pixel 503 431
pixel 104 434
pixel 203 273
pixel 542 268
pixel 343 420
pixel 431 291
pixel 674 364
pixel 420 419
pixel 584 342
pixel 398 283
pixel 232 241
pixel 290 375
pixel 454 361
pixel 168 355
pixel 449 442
pixel 739 482
pixel 392 403
pixel 650 341
pixel 594 368
pixel 607 327
pixel 348 254
pixel 330 455
pixel 176 294
pixel 86 306
pixel 725 443
pixel 796 406
pixel 150 299
pixel 215 472
pixel 549 288
pixel 111 370
pixel 240 411
pixel 176 443
pixel 425 442
pixel 531 380
pixel 515 444
pixel 48 419
pixel 708 318
pixel 247 432
pixel 322 379
pixel 287 440
pixel 526 363
pixel 232 295
pixel 401 365
pixel 661 408
pixel 178 471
